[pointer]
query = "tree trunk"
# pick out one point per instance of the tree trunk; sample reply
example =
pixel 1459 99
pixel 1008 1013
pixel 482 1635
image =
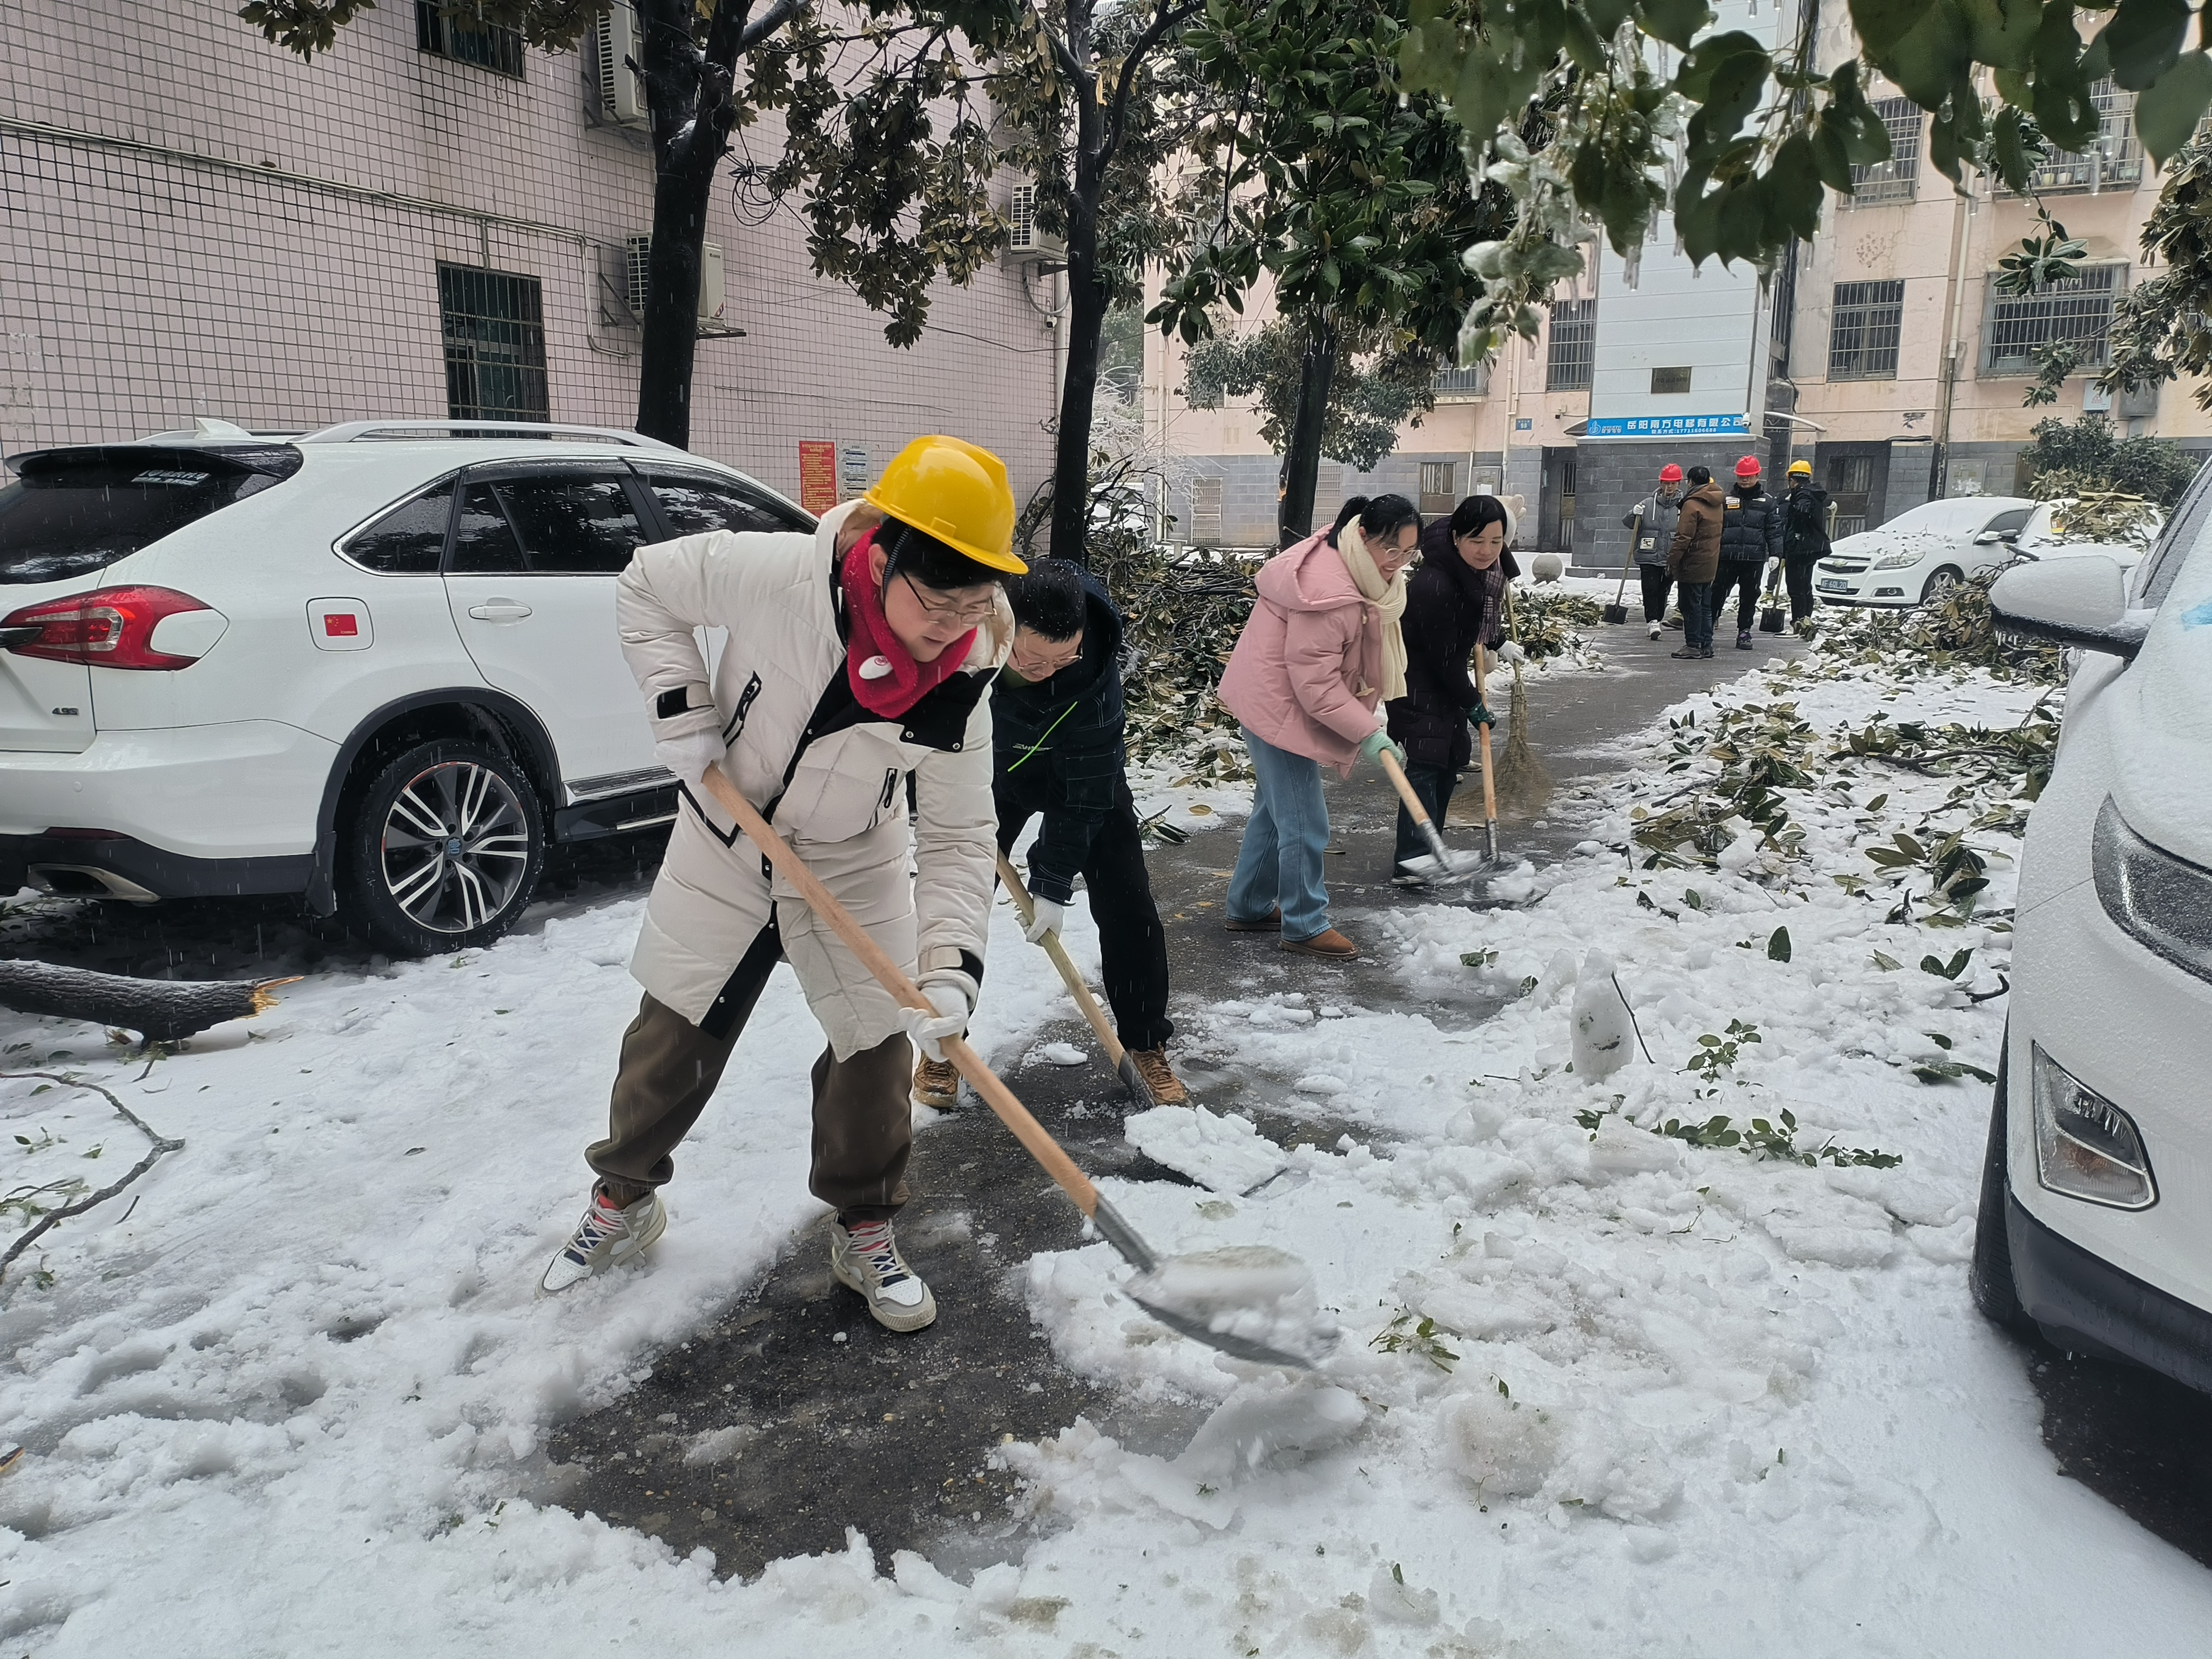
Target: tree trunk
pixel 686 148
pixel 1301 461
pixel 1086 322
pixel 160 1010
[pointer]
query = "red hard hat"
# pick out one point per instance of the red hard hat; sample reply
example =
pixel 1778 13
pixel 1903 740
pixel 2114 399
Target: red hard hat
pixel 1747 467
pixel 1670 473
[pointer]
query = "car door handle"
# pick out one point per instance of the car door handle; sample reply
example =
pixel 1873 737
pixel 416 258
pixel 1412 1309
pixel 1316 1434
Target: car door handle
pixel 500 610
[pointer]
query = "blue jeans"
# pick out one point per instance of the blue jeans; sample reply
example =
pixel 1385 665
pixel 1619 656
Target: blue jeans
pixel 1279 863
pixel 1698 616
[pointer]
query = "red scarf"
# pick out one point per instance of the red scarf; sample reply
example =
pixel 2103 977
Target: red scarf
pixel 885 679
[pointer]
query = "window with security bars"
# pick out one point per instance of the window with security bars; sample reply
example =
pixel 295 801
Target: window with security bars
pixel 2113 157
pixel 1895 179
pixel 1862 331
pixel 467 39
pixel 2079 310
pixel 494 329
pixel 1439 486
pixel 1453 384
pixel 1572 347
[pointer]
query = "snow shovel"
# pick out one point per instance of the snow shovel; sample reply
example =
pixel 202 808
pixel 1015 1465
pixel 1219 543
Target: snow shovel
pixel 1256 1303
pixel 1026 909
pixel 1442 863
pixel 1616 611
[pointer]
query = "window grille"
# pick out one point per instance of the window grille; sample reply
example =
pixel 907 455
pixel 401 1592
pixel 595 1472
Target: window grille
pixel 1895 179
pixel 2079 310
pixel 467 39
pixel 1439 486
pixel 2113 158
pixel 1572 347
pixel 1460 383
pixel 1862 331
pixel 494 329
pixel 1205 511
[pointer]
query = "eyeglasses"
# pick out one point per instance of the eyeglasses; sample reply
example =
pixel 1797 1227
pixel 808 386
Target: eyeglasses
pixel 1050 655
pixel 973 615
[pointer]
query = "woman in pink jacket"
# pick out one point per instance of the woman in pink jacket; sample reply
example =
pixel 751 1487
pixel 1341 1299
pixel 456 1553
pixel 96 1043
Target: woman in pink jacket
pixel 1321 651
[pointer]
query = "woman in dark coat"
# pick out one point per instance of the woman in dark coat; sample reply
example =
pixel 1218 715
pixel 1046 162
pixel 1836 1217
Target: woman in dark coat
pixel 1455 599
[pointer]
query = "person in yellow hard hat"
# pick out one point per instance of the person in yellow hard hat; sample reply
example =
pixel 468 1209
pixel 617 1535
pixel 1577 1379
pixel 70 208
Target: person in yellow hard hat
pixel 858 656
pixel 1804 537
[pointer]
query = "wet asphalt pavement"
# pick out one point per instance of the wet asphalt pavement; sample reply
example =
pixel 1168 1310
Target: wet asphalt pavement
pixel 892 1435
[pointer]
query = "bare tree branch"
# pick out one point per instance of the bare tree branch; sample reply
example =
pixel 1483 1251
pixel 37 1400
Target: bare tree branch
pixel 53 1218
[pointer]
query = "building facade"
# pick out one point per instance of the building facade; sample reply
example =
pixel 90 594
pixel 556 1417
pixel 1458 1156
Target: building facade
pixel 1882 352
pixel 430 221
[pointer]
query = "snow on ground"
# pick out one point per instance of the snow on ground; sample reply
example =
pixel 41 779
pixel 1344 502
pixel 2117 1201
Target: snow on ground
pixel 1604 1392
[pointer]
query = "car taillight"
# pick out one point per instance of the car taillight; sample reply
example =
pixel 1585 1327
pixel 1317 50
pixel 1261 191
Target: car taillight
pixel 112 627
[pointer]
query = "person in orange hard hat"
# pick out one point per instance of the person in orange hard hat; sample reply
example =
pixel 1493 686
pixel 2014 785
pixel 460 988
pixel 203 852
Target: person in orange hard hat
pixel 1751 534
pixel 1651 521
pixel 858 656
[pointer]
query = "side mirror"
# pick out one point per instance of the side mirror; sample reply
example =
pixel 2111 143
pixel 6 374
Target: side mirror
pixel 1989 538
pixel 2080 602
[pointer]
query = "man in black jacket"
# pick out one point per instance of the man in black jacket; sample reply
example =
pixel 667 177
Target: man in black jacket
pixel 1454 601
pixel 1056 720
pixel 1804 536
pixel 1751 534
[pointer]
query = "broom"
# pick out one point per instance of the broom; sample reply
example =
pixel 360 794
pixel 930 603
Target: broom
pixel 1523 785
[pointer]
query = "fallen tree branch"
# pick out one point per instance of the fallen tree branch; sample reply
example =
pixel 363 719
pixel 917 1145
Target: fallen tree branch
pixel 161 1144
pixel 160 1010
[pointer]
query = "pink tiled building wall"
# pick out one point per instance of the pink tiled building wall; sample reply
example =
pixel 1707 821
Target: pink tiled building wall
pixel 197 224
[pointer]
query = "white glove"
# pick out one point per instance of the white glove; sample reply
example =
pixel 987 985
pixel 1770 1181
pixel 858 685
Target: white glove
pixel 1511 653
pixel 689 756
pixel 950 1003
pixel 1047 919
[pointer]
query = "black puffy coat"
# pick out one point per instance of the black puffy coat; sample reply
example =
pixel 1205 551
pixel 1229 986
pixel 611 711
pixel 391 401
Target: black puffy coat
pixel 1805 523
pixel 1058 746
pixel 1751 527
pixel 1448 608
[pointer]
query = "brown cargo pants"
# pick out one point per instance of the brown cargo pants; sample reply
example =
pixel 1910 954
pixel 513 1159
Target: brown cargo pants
pixel 863 1117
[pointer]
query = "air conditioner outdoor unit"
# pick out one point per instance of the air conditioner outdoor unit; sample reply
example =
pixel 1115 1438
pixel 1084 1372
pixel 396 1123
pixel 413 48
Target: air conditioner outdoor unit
pixel 615 46
pixel 637 260
pixel 1025 240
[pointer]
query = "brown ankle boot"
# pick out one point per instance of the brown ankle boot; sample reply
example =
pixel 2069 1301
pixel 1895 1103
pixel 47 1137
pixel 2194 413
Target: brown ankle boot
pixel 1166 1087
pixel 937 1084
pixel 1330 944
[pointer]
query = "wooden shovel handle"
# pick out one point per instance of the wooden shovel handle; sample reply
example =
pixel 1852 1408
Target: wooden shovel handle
pixel 1025 908
pixel 970 1064
pixel 1403 785
pixel 1482 691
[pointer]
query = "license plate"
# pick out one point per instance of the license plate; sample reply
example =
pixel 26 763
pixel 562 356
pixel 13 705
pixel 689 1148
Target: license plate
pixel 1832 584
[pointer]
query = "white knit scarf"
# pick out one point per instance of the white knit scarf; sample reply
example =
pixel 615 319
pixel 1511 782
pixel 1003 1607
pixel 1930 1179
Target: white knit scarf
pixel 1388 597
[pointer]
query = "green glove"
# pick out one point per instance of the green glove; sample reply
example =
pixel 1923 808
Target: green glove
pixel 1482 716
pixel 1376 742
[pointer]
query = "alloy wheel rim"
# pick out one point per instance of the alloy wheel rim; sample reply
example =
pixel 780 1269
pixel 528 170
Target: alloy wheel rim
pixel 456 846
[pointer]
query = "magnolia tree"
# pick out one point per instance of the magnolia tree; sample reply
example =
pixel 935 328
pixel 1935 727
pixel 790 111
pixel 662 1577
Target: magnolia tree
pixel 1736 140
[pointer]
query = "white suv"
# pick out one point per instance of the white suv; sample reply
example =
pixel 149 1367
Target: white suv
pixel 2096 1210
pixel 375 666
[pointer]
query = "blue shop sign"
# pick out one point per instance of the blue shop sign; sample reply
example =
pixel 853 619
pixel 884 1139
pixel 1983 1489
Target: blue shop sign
pixel 1668 426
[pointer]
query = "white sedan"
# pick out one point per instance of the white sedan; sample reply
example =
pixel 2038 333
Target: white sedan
pixel 2096 1205
pixel 2050 536
pixel 1921 555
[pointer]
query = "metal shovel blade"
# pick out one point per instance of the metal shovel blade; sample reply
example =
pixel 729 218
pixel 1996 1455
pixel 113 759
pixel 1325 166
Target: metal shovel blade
pixel 1442 863
pixel 1133 1251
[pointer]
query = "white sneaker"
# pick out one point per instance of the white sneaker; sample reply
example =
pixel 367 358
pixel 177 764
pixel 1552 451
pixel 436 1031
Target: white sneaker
pixel 606 1237
pixel 866 1259
pixel 1655 630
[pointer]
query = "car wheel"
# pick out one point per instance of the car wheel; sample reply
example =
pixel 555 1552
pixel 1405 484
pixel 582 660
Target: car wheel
pixel 443 848
pixel 1941 585
pixel 1988 1276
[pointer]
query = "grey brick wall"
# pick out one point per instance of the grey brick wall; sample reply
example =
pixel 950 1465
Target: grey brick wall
pixel 1610 478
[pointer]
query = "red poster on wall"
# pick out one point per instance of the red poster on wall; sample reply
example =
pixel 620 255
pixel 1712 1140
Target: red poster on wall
pixel 817 474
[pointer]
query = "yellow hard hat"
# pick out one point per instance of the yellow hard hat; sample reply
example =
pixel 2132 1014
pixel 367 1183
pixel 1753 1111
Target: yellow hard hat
pixel 1805 467
pixel 956 492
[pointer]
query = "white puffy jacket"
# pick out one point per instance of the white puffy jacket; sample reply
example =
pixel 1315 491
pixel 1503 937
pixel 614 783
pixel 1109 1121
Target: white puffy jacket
pixel 843 808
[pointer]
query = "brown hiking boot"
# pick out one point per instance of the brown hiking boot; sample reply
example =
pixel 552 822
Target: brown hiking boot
pixel 1331 944
pixel 1166 1087
pixel 1270 923
pixel 937 1084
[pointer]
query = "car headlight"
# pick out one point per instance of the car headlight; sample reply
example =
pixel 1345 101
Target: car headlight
pixel 2085 1146
pixel 1898 560
pixel 2155 898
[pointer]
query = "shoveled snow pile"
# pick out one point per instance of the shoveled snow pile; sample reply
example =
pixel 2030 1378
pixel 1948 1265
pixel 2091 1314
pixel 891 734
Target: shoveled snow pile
pixel 1621 1372
pixel 1217 1150
pixel 1261 1297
